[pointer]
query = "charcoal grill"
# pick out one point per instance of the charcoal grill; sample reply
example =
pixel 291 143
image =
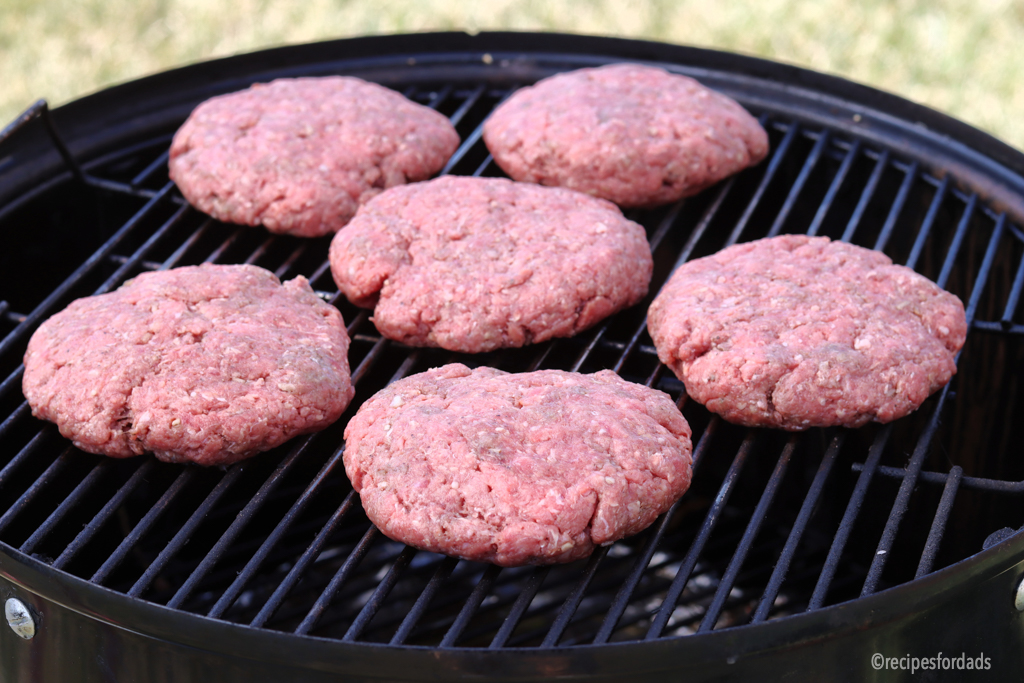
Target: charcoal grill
pixel 792 554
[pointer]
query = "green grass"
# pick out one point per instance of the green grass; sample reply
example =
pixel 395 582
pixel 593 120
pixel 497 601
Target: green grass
pixel 962 57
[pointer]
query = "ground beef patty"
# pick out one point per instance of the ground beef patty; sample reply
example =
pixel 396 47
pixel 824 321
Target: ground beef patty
pixel 299 155
pixel 209 364
pixel 474 264
pixel 797 332
pixel 532 468
pixel 633 134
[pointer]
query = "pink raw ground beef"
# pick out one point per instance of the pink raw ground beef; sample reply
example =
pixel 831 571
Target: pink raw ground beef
pixel 475 264
pixel 797 332
pixel 636 135
pixel 299 155
pixel 532 468
pixel 209 364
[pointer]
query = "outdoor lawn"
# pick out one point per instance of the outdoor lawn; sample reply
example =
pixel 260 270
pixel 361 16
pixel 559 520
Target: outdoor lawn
pixel 963 57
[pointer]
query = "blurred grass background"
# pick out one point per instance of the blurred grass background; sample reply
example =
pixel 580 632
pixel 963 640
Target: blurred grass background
pixel 962 57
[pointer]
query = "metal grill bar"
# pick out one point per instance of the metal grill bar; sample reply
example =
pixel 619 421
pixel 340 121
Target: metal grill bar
pixel 260 251
pixel 97 257
pixel 1014 298
pixel 665 224
pixel 480 591
pixel 958 238
pixel 307 557
pixel 998 328
pixel 185 532
pixel 625 594
pixel 572 603
pixel 143 264
pixel 369 360
pixel 583 613
pixel 13 380
pixel 548 604
pixel 483 166
pixel 595 338
pixel 929 221
pixel 355 322
pixel 71 501
pixel 435 98
pixel 773 167
pixel 51 472
pixel 630 346
pixel 467 104
pixel 897 207
pixel 101 517
pixel 866 196
pixel 379 595
pixel 143 526
pixel 798 184
pixel 472 139
pixel 157 164
pixel 187 244
pixel 705 220
pixel 340 577
pixel 917 460
pixel 240 522
pixel 760 512
pixel 938 528
pixel 833 188
pixel 147 246
pixel 525 599
pixel 441 574
pixel 899 507
pixel 771 591
pixel 971 483
pixel 982 278
pixel 324 268
pixel 659 234
pixel 217 253
pixel 842 534
pixel 236 587
pixel 660 620
pixel 125 189
pixel 289 262
pixel 446 601
pixel 21 412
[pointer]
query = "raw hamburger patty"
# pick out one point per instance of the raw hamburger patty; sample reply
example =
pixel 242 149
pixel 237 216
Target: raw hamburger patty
pixel 533 468
pixel 797 332
pixel 299 155
pixel 633 134
pixel 474 264
pixel 209 364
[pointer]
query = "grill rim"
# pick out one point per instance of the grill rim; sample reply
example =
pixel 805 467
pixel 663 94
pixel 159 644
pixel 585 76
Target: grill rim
pixel 830 623
pixel 893 607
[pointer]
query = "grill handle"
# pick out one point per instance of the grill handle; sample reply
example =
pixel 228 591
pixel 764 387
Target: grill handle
pixel 40 109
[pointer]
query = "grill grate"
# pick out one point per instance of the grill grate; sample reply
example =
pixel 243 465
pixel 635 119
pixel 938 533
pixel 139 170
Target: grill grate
pixel 775 524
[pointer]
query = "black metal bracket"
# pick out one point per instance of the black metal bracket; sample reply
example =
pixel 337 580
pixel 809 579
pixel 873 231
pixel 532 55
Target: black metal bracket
pixel 42 110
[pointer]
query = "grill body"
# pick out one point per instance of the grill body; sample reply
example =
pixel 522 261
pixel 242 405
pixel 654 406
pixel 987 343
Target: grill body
pixel 792 555
pixel 88 634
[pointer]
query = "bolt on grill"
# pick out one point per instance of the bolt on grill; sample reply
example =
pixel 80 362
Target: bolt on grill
pixel 775 524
